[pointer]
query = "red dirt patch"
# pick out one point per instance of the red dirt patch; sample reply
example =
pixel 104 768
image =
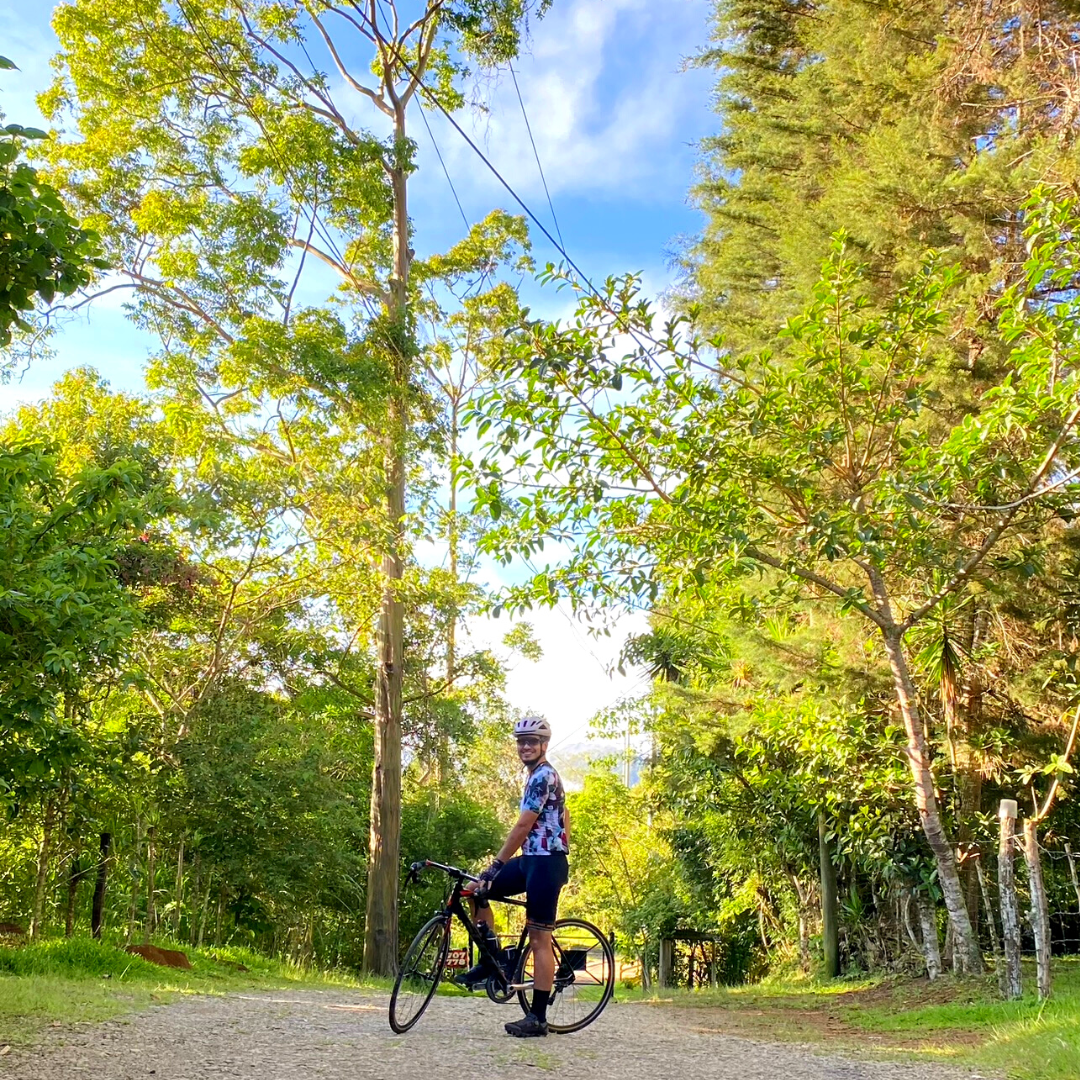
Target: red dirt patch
pixel 164 957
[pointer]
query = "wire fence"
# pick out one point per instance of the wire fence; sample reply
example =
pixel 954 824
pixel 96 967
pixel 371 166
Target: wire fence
pixel 1061 870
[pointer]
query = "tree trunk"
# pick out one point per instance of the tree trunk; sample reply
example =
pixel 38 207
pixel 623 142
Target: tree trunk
pixel 179 890
pixel 195 892
pixel 830 923
pixel 75 875
pixel 220 916
pixel 203 912
pixel 97 909
pixel 44 851
pixel 1010 909
pixel 1040 911
pixel 442 742
pixel 967 761
pixel 991 925
pixel 133 906
pixel 909 929
pixel 918 754
pixel 930 945
pixel 380 924
pixel 151 911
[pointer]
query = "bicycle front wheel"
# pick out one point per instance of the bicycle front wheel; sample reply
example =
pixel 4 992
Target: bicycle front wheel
pixel 584 976
pixel 419 974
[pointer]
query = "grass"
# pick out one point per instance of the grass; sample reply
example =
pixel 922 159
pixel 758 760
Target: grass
pixel 78 980
pixel 961 1021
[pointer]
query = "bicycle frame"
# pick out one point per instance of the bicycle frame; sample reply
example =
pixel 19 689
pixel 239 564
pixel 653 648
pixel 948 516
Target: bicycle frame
pixel 454 907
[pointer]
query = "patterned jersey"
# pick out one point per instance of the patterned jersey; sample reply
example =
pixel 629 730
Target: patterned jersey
pixel 544 795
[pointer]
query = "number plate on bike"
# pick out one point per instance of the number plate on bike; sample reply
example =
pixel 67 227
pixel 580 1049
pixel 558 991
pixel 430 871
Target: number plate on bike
pixel 457 958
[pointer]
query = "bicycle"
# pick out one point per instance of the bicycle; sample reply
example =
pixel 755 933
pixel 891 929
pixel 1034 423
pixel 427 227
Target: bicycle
pixel 584 964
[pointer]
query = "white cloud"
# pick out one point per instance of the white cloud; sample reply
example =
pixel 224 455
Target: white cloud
pixel 604 96
pixel 575 679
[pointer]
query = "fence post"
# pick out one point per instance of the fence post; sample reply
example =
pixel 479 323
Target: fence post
pixel 1040 911
pixel 667 962
pixel 1010 914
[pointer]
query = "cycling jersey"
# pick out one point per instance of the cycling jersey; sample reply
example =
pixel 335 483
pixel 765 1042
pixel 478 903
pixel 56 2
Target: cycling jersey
pixel 544 796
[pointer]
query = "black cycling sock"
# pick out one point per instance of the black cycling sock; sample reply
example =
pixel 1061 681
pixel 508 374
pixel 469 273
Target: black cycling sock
pixel 540 1004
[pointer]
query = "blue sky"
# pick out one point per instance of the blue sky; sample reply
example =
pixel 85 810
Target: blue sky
pixel 615 120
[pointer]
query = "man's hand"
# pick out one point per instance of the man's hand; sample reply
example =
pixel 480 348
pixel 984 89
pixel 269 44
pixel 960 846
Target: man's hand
pixel 482 885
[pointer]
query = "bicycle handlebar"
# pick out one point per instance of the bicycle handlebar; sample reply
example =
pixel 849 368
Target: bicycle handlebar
pixel 453 871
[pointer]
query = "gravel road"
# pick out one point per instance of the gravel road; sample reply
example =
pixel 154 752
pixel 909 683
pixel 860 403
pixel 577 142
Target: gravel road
pixel 337 1035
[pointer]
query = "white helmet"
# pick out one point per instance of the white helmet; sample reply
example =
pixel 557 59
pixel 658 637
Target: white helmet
pixel 533 725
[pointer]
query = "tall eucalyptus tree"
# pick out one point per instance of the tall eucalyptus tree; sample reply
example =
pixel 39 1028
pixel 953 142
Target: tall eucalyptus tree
pixel 265 233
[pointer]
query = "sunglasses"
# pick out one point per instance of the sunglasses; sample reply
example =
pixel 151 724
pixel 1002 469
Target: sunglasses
pixel 530 742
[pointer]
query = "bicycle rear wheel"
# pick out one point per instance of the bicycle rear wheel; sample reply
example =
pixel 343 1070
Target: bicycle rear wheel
pixel 419 974
pixel 584 976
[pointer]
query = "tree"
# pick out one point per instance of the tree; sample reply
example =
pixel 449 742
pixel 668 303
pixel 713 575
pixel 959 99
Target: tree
pixel 224 169
pixel 913 127
pixel 44 253
pixel 836 469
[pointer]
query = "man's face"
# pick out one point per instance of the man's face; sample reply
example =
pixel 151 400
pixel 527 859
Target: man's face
pixel 530 749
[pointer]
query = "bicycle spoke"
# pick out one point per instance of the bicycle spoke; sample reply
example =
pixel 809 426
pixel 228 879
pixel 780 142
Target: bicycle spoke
pixel 584 976
pixel 419 975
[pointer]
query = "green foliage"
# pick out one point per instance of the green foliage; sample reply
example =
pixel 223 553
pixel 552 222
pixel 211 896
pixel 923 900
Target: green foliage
pixel 66 612
pixel 455 829
pixel 44 253
pixel 909 128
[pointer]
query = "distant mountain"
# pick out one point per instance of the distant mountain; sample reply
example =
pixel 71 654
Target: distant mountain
pixel 574 759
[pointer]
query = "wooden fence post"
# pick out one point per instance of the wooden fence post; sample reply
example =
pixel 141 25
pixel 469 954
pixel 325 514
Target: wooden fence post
pixel 1010 913
pixel 667 962
pixel 1040 911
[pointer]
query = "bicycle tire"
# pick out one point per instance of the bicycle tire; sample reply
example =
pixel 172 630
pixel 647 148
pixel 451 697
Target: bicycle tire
pixel 604 983
pixel 415 985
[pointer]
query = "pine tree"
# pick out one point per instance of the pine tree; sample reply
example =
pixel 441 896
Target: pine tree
pixel 909 126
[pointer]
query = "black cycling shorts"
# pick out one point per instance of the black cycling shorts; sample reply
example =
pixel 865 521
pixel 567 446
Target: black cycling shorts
pixel 540 878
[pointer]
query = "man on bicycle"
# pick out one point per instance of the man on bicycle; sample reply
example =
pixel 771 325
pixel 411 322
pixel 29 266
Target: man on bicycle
pixel 542 833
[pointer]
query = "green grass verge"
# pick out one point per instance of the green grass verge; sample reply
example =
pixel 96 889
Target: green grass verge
pixel 77 980
pixel 961 1021
pixel 1023 1040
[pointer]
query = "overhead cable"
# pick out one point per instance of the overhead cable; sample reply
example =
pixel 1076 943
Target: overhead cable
pixel 536 154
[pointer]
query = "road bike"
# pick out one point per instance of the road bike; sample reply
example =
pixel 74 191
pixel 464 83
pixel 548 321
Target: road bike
pixel 584 963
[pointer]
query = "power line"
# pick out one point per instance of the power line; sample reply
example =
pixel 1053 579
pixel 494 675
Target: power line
pixel 438 154
pixel 637 335
pixel 421 85
pixel 536 154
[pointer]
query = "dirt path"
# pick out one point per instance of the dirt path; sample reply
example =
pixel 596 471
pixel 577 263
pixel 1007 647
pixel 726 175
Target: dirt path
pixel 339 1035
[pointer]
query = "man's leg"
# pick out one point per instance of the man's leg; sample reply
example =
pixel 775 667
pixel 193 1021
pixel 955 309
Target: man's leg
pixel 546 877
pixel 543 971
pixel 482 916
pixel 509 881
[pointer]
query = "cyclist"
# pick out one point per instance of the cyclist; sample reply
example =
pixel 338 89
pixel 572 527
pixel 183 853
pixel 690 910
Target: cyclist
pixel 542 833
